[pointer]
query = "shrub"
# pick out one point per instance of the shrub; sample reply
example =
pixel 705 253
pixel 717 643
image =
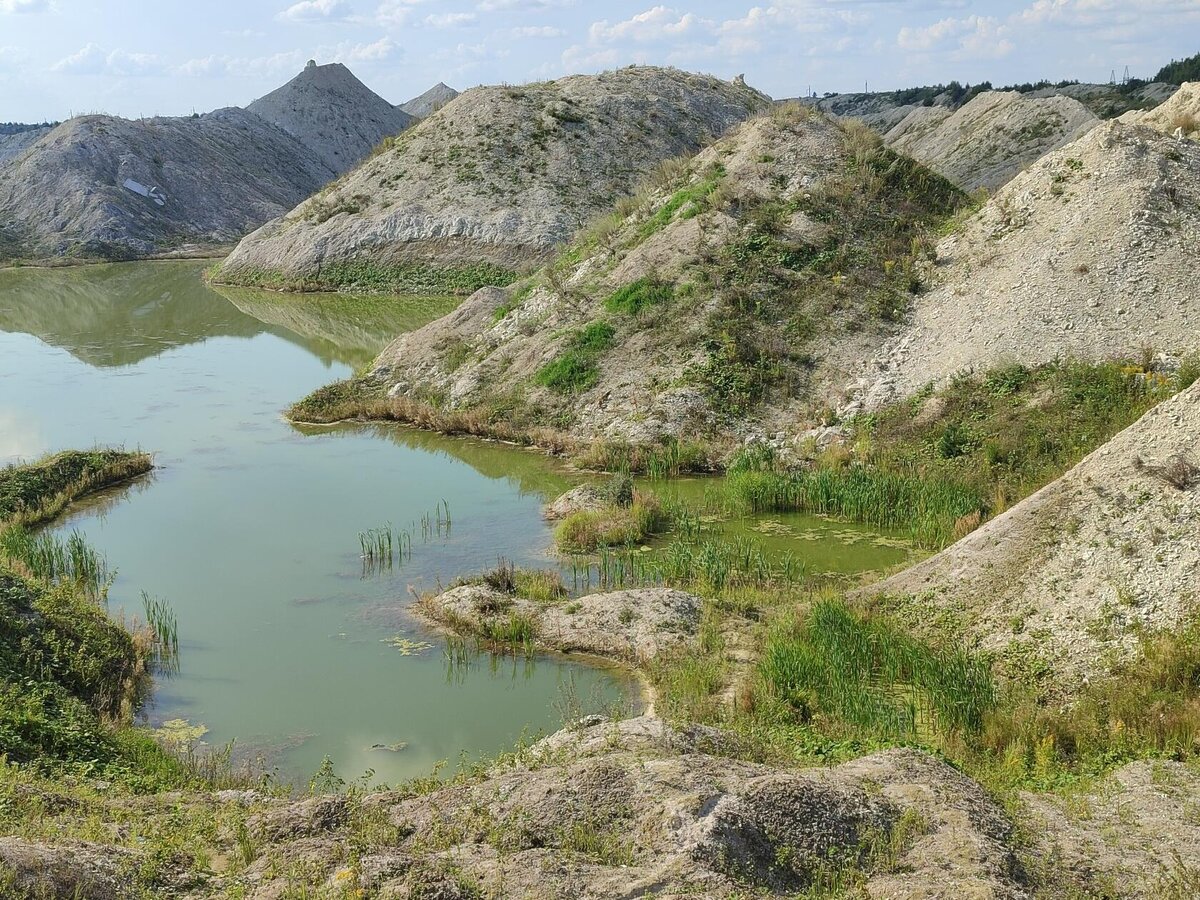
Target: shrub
pixel 571 373
pixel 577 368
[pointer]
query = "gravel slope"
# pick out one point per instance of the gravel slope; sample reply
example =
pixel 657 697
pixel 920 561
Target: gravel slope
pixel 1091 252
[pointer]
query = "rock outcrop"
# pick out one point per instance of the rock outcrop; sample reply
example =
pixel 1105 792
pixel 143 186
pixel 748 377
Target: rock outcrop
pixel 500 175
pixel 429 102
pixel 1178 115
pixel 1089 253
pixel 633 626
pixel 1075 572
pixel 990 139
pixel 333 114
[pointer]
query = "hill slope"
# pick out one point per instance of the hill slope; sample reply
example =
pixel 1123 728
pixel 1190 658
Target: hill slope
pixel 500 175
pixel 332 113
pixel 725 299
pixel 1088 560
pixel 222 173
pixel 429 102
pixel 1088 253
pixel 990 139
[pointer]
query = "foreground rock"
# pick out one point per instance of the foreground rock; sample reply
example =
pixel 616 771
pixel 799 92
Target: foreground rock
pixel 992 138
pixel 500 175
pixel 1073 574
pixel 1089 253
pixel 333 114
pixel 634 626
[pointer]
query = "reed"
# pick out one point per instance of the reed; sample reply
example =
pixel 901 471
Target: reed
pixel 926 507
pixel 55 561
pixel 382 548
pixel 870 675
pixel 164 633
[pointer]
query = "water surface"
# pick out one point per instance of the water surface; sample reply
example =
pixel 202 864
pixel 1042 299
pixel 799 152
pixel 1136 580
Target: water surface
pixel 249 525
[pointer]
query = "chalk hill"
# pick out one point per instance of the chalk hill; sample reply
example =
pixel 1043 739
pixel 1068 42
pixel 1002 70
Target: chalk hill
pixel 1088 253
pixel 990 139
pixel 500 176
pixel 332 113
pixel 728 296
pixel 430 101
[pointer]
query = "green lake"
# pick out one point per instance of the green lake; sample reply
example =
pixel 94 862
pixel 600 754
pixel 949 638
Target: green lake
pixel 249 526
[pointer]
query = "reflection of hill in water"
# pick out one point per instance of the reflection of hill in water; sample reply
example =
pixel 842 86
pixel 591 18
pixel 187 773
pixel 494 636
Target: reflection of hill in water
pixel 359 326
pixel 118 315
pixel 532 472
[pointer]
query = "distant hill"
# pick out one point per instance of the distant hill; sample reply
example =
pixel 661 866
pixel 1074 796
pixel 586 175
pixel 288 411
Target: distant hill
pixel 333 113
pixel 491 183
pixel 989 140
pixel 112 188
pixel 430 101
pixel 219 175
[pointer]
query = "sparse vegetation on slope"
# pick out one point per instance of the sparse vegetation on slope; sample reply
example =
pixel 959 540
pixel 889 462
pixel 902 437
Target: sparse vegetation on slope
pixel 731 285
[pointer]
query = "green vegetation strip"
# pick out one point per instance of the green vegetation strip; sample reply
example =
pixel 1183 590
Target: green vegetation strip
pixel 373 277
pixel 32 494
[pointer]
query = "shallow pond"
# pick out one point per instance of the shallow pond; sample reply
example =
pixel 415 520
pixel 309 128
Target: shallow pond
pixel 249 527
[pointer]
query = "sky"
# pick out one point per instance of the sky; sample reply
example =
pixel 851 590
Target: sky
pixel 64 57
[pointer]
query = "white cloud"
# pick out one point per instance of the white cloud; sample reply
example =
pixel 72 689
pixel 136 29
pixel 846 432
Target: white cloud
pixel 448 20
pixel 538 31
pixel 95 60
pixel 384 48
pixel 522 5
pixel 655 24
pixel 23 6
pixel 978 37
pixel 393 13
pixel 318 11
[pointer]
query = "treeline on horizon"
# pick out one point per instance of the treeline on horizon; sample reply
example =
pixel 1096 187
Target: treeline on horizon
pixel 18 127
pixel 1175 72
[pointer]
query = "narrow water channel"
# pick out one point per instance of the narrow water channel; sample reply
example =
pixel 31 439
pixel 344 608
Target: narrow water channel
pixel 249 526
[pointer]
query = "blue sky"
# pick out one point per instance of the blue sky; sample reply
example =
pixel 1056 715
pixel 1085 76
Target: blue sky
pixel 139 58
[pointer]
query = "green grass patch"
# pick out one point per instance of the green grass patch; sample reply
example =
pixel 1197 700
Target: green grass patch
pixel 638 295
pixel 577 369
pixel 691 199
pixel 928 508
pixel 587 531
pixel 1005 433
pixel 348 399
